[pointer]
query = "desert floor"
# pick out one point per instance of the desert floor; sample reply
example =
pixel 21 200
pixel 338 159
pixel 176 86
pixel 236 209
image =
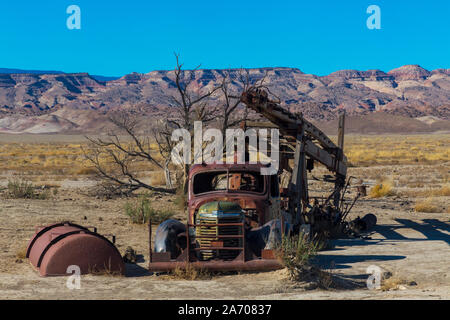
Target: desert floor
pixel 414 246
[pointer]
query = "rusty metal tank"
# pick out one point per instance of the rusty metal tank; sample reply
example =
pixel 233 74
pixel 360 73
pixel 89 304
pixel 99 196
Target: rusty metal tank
pixel 55 247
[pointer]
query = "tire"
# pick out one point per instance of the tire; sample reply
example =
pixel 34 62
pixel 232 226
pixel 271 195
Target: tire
pixel 167 239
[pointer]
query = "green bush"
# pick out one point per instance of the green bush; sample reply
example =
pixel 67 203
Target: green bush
pixel 295 253
pixel 140 211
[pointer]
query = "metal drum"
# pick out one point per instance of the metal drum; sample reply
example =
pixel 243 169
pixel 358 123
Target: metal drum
pixel 55 247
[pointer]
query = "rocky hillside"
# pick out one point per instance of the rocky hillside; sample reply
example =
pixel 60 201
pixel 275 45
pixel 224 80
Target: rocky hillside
pixel 61 102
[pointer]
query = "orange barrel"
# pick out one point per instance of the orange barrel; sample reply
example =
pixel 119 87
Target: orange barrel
pixel 55 247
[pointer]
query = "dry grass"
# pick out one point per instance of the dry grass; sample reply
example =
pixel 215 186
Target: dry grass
pixel 443 191
pixel 61 158
pixel 325 279
pixel 106 270
pixel 382 189
pixel 21 253
pixel 51 158
pixel 366 150
pixel 392 283
pixel 189 273
pixel 426 205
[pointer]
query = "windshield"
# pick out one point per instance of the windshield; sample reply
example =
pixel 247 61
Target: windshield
pixel 223 181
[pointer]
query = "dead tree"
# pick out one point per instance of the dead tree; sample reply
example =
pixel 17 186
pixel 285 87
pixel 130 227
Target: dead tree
pixel 228 108
pixel 162 134
pixel 191 103
pixel 114 157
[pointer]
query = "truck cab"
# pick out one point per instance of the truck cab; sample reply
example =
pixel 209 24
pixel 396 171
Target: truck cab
pixel 257 195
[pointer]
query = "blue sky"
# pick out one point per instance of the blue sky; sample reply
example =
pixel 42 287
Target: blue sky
pixel 119 37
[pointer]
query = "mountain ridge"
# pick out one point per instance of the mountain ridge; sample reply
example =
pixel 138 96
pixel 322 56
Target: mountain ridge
pixel 409 91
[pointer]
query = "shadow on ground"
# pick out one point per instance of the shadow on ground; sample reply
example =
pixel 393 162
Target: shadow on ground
pixel 431 229
pixel 135 270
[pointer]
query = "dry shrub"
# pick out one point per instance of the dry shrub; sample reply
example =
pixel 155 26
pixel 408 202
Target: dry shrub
pixel 189 273
pixel 21 189
pixel 426 205
pixel 106 270
pixel 140 211
pixel 382 189
pixel 22 253
pixel 325 279
pixel 392 283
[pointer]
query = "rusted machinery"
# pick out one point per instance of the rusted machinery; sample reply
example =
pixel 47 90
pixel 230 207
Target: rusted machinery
pixel 236 216
pixel 304 144
pixel 221 222
pixel 55 247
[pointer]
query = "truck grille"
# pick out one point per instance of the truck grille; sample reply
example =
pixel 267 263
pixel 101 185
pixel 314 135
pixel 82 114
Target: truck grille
pixel 214 232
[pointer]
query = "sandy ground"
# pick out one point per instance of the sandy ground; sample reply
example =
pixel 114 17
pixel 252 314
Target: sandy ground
pixel 413 246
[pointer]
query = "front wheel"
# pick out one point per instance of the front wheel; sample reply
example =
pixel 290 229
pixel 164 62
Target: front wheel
pixel 168 237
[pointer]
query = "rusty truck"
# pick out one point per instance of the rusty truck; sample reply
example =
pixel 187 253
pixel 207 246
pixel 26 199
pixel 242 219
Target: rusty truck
pixel 237 216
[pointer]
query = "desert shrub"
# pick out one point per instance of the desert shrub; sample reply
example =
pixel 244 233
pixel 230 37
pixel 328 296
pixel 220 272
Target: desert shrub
pixel 426 205
pixel 392 282
pixel 21 189
pixel 295 253
pixel 189 273
pixel 382 189
pixel 22 252
pixel 141 210
pixel 44 195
